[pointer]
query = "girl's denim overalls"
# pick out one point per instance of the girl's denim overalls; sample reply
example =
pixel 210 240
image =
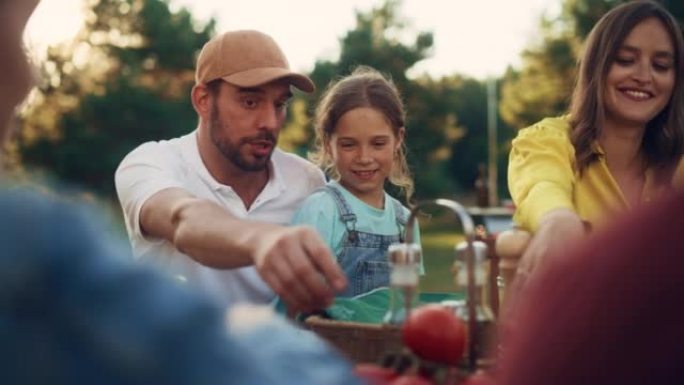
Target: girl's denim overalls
pixel 364 255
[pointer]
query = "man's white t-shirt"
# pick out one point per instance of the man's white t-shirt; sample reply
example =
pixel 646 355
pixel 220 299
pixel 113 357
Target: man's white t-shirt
pixel 155 166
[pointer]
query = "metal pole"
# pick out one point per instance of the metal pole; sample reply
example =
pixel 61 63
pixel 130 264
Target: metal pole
pixel 492 148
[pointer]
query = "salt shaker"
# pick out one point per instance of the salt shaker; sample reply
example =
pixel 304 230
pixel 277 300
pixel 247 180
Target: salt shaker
pixel 404 260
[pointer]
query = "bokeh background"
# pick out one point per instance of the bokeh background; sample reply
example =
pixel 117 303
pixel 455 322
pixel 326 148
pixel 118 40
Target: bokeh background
pixel 125 78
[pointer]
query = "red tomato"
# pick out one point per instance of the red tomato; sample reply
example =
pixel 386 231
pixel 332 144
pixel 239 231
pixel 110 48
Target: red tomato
pixel 411 379
pixel 375 374
pixel 435 333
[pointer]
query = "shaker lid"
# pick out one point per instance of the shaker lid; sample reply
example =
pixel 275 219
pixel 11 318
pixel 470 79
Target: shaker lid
pixel 404 253
pixel 479 247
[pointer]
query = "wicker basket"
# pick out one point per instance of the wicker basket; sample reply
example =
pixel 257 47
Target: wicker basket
pixel 360 342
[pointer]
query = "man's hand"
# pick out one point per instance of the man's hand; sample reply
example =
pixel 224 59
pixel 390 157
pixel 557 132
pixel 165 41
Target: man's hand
pixel 299 267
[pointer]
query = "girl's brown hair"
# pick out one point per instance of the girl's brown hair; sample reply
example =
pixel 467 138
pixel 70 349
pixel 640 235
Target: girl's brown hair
pixel 664 136
pixel 364 87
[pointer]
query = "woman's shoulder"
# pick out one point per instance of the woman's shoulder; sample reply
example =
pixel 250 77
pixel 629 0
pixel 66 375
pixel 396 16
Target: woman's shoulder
pixel 553 126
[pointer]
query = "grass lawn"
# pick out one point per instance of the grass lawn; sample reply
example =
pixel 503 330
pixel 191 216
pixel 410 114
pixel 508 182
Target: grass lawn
pixel 438 256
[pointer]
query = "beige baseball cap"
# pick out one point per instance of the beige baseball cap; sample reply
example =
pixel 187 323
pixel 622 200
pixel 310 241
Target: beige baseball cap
pixel 246 58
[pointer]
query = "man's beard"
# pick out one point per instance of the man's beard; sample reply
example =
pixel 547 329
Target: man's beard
pixel 231 150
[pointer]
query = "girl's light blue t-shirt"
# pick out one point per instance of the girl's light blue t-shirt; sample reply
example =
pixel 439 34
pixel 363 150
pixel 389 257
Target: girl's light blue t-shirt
pixel 320 211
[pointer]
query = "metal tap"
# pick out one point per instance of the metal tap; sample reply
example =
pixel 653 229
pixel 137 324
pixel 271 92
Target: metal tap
pixel 469 231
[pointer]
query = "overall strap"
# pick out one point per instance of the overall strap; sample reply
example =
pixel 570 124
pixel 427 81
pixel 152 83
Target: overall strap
pixel 346 215
pixel 401 218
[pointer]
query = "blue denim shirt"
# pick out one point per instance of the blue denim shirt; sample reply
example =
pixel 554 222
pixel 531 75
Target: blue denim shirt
pixel 75 309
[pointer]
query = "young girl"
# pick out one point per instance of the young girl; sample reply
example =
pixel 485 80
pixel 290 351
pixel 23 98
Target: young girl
pixel 360 144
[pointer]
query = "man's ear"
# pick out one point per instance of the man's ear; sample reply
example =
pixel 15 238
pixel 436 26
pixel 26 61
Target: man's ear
pixel 201 100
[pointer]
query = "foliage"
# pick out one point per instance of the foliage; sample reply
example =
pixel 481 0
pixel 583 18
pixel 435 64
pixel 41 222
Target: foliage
pixel 543 86
pixel 446 118
pixel 375 42
pixel 124 80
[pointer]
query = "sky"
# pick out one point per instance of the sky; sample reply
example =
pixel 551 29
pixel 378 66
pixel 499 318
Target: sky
pixel 478 38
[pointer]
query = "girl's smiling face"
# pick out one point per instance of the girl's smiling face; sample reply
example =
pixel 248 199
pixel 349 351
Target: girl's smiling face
pixel 363 147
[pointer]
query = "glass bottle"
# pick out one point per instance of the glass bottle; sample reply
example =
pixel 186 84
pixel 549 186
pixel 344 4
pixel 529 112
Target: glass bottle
pixel 404 261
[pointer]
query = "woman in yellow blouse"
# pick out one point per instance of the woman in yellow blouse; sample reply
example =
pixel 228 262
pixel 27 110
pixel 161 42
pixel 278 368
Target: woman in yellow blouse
pixel 620 144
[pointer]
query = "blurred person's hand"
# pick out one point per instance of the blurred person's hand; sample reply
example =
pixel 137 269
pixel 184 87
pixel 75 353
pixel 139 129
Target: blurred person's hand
pixel 557 229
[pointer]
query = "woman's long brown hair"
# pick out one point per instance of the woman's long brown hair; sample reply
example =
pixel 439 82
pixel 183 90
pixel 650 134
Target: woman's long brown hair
pixel 663 139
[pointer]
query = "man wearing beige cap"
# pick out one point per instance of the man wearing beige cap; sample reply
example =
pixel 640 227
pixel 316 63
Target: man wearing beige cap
pixel 211 205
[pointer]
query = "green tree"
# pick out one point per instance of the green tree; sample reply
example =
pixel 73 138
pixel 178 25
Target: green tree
pixel 447 117
pixel 542 87
pixel 582 15
pixel 127 77
pixel 469 104
pixel 432 121
pixel 124 80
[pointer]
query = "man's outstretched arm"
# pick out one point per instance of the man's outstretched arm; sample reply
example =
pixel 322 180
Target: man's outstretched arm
pixel 294 261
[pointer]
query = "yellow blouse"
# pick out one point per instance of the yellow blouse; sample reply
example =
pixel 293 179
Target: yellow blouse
pixel 541 177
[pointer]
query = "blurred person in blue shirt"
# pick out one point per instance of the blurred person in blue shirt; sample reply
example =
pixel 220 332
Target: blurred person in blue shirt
pixel 73 309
